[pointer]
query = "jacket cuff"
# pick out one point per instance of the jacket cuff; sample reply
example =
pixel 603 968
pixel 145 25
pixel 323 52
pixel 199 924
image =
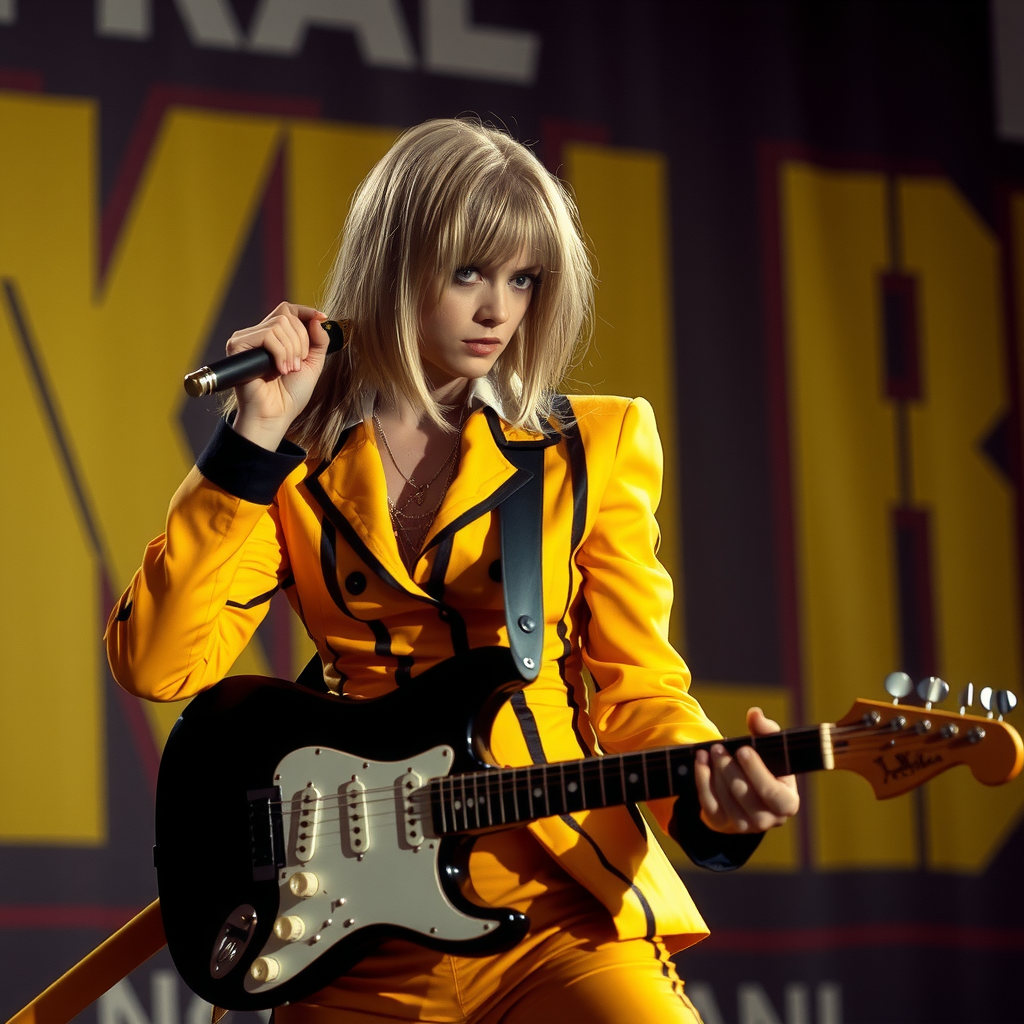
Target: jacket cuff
pixel 244 469
pixel 715 851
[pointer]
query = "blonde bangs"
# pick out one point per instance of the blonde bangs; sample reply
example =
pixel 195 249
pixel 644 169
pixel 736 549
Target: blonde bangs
pixel 449 194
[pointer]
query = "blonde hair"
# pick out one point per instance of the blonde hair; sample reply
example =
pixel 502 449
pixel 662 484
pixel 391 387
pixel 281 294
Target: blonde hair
pixel 448 194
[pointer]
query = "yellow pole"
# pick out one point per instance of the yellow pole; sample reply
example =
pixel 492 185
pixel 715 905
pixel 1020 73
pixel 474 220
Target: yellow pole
pixel 129 947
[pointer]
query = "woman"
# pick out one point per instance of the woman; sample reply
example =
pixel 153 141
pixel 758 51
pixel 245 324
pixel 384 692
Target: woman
pixel 369 487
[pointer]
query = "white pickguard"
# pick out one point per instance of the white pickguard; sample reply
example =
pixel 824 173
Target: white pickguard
pixel 387 873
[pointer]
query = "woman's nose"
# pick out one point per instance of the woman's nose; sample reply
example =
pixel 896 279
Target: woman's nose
pixel 493 309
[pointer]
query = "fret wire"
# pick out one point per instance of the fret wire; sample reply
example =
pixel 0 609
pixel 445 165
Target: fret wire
pixel 561 783
pixel 643 774
pixel 515 794
pixel 785 752
pixel 465 808
pixel 583 786
pixel 501 796
pixel 476 800
pixel 547 801
pixel 600 775
pixel 529 791
pixel 668 770
pixel 622 775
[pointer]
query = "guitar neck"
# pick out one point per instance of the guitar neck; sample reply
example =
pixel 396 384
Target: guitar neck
pixel 511 796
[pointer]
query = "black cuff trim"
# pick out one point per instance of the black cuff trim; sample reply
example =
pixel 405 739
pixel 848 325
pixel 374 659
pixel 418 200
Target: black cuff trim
pixel 715 851
pixel 244 469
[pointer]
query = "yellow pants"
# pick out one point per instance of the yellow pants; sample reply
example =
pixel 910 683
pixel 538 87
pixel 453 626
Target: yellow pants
pixel 570 967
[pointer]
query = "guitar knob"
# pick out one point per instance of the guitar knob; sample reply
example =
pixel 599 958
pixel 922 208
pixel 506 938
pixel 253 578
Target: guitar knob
pixel 304 883
pixel 966 698
pixel 932 690
pixel 1004 701
pixel 898 685
pixel 289 928
pixel 986 699
pixel 265 968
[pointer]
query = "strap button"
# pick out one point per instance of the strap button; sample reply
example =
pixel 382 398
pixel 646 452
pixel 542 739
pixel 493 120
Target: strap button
pixel 526 624
pixel 355 582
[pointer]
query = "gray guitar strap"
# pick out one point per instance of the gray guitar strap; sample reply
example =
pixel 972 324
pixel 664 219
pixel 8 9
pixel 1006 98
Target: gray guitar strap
pixel 521 518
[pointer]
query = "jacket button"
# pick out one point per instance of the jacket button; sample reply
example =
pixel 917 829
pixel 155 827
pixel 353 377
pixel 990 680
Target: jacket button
pixel 355 582
pixel 526 624
pixel 494 570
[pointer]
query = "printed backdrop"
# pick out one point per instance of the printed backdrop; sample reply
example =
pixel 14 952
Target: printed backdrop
pixel 809 225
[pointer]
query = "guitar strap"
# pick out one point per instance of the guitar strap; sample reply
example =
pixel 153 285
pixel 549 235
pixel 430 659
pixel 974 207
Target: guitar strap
pixel 521 519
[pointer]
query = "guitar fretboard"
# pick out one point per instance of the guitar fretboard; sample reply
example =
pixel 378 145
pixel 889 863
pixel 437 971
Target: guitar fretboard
pixel 510 796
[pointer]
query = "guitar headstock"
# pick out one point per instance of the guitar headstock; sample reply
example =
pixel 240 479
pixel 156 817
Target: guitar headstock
pixel 897 747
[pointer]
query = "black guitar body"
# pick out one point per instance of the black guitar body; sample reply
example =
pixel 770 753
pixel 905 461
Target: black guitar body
pixel 233 813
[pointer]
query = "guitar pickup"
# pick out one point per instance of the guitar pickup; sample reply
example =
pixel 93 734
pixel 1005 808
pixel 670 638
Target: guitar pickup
pixel 355 832
pixel 410 784
pixel 266 833
pixel 309 821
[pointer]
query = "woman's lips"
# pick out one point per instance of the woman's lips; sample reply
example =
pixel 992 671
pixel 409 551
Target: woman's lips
pixel 482 346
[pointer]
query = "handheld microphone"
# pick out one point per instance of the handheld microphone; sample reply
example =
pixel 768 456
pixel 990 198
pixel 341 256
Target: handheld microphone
pixel 243 367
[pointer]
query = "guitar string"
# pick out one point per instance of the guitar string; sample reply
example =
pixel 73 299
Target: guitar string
pixel 595 767
pixel 483 812
pixel 485 792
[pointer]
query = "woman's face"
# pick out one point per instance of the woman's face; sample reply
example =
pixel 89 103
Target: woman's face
pixel 478 312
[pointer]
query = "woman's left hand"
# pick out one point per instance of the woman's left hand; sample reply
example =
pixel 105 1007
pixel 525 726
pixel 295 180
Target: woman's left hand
pixel 737 792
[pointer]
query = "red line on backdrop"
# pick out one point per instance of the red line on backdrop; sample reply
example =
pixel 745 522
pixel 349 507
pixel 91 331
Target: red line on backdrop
pixel 69 915
pixel 136 156
pixel 21 80
pixel 864 936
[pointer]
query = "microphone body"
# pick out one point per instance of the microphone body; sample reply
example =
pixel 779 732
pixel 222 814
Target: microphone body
pixel 243 367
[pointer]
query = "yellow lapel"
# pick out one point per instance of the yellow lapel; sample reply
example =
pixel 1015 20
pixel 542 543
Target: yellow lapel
pixel 354 484
pixel 483 468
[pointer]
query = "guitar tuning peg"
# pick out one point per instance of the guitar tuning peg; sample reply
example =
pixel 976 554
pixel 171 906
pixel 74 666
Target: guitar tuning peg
pixel 932 690
pixel 985 698
pixel 897 685
pixel 1004 702
pixel 966 698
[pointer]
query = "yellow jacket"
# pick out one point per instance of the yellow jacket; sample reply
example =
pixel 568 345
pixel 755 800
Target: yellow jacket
pixel 237 533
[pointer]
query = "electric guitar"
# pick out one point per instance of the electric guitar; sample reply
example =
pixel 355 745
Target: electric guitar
pixel 296 831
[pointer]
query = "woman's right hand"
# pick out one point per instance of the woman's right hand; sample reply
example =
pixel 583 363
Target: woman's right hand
pixel 293 336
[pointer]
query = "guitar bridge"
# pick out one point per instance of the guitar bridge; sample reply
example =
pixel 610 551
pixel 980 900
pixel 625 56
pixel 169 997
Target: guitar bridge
pixel 266 833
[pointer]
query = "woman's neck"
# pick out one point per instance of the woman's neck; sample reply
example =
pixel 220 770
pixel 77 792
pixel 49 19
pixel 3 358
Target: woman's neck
pixel 450 396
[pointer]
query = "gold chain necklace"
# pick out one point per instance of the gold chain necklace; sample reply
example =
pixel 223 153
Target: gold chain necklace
pixel 419 493
pixel 410 529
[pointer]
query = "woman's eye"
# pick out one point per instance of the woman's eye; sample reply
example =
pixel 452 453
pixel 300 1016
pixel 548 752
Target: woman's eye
pixel 522 282
pixel 466 274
